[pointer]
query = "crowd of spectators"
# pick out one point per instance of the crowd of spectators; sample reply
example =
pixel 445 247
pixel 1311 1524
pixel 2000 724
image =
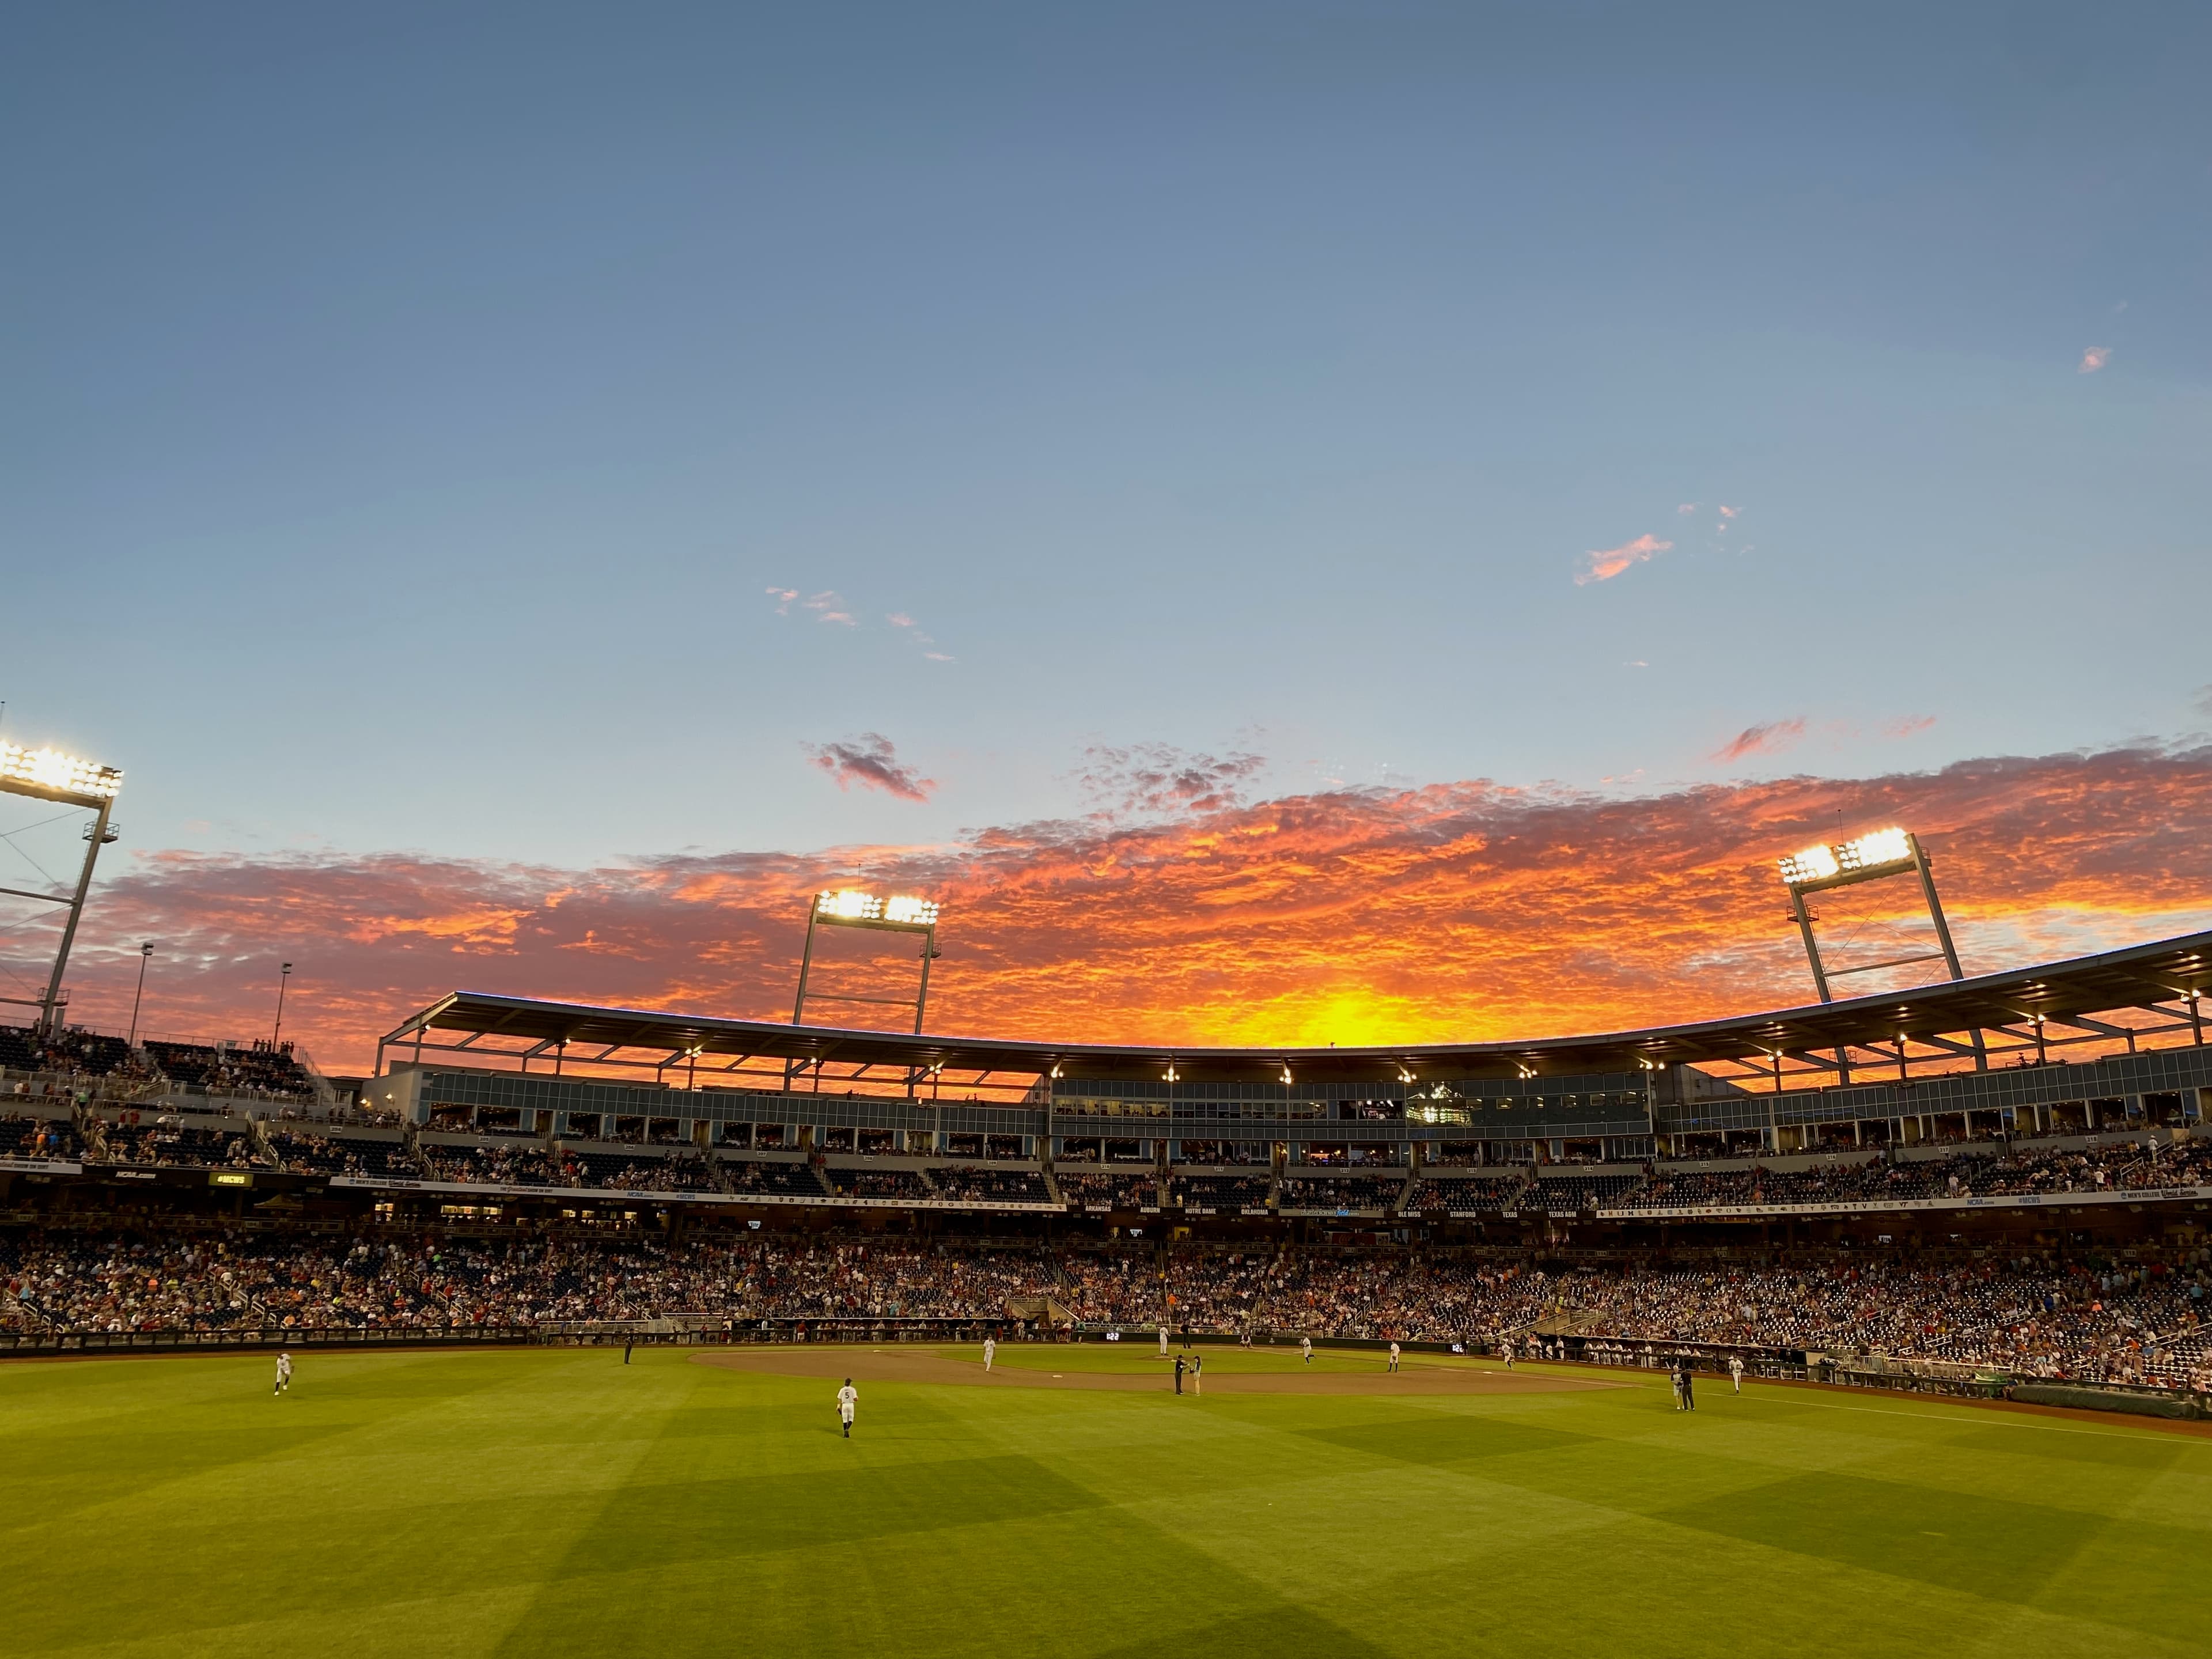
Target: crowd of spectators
pixel 258 1068
pixel 646 1173
pixel 908 1185
pixel 1483 1195
pixel 301 1151
pixel 1334 1192
pixel 1573 1195
pixel 980 1183
pixel 68 1051
pixel 514 1165
pixel 1223 1195
pixel 1109 1190
pixel 39 1136
pixel 772 1177
pixel 173 1146
pixel 2138 1320
pixel 1869 1178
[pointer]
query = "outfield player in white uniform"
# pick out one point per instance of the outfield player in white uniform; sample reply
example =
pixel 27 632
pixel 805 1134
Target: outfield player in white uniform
pixel 283 1373
pixel 847 1400
pixel 1735 1370
pixel 1305 1347
pixel 1394 1356
pixel 1508 1353
pixel 990 1351
pixel 1163 1338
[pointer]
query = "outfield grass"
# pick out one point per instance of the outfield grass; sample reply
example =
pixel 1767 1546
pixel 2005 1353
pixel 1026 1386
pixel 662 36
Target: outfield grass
pixel 558 1501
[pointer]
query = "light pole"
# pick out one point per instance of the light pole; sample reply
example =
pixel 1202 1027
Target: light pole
pixel 283 977
pixel 145 956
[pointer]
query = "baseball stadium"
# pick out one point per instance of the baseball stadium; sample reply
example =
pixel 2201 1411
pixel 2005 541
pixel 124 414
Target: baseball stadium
pixel 577 1329
pixel 1271 830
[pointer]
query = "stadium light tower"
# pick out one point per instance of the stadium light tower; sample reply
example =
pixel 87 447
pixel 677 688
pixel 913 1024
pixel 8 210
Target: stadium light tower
pixel 1873 857
pixel 48 774
pixel 850 907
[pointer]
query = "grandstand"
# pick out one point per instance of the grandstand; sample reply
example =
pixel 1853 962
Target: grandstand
pixel 33 1061
pixel 1796 1186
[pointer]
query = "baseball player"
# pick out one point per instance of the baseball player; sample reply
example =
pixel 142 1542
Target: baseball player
pixel 1305 1347
pixel 283 1373
pixel 990 1351
pixel 847 1398
pixel 1735 1372
pixel 1394 1356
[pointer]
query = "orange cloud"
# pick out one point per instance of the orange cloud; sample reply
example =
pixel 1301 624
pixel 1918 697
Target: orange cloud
pixel 2094 359
pixel 1458 910
pixel 1906 725
pixel 1604 565
pixel 1769 738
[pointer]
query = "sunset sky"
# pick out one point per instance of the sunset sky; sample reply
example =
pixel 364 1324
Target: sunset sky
pixel 1300 523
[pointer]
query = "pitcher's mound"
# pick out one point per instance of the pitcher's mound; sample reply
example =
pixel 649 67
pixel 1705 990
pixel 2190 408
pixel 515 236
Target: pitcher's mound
pixel 1222 1376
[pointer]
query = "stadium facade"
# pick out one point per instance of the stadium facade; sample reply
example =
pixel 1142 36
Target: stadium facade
pixel 492 1105
pixel 2070 1053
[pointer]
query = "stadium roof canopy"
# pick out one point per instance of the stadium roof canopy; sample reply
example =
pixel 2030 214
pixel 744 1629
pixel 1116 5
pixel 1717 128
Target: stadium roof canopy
pixel 2098 1000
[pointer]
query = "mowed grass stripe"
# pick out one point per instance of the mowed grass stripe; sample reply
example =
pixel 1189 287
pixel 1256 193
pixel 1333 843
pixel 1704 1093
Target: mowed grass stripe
pixel 560 1503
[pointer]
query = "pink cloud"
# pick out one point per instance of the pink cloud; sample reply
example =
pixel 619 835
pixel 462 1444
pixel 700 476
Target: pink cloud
pixel 1769 738
pixel 2094 359
pixel 869 761
pixel 1687 506
pixel 783 596
pixel 1730 512
pixel 1604 565
pixel 1905 725
pixel 829 607
pixel 1152 778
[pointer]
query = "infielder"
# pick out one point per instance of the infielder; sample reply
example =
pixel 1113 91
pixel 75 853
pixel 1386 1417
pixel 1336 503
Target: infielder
pixel 1305 1347
pixel 1394 1356
pixel 283 1373
pixel 847 1398
pixel 990 1351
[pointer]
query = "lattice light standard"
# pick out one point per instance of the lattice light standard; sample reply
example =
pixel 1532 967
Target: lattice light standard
pixel 1872 857
pixel 48 774
pixel 850 907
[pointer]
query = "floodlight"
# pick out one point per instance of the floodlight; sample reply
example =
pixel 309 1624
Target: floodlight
pixel 1871 857
pixel 1813 864
pixel 48 774
pixel 1870 851
pixel 848 905
pixel 63 777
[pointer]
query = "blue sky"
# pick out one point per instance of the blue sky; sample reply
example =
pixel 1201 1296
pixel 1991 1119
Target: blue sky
pixel 413 418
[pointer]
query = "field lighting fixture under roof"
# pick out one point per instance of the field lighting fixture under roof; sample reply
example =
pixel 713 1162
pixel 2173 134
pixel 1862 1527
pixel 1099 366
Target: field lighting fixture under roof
pixel 50 774
pixel 853 907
